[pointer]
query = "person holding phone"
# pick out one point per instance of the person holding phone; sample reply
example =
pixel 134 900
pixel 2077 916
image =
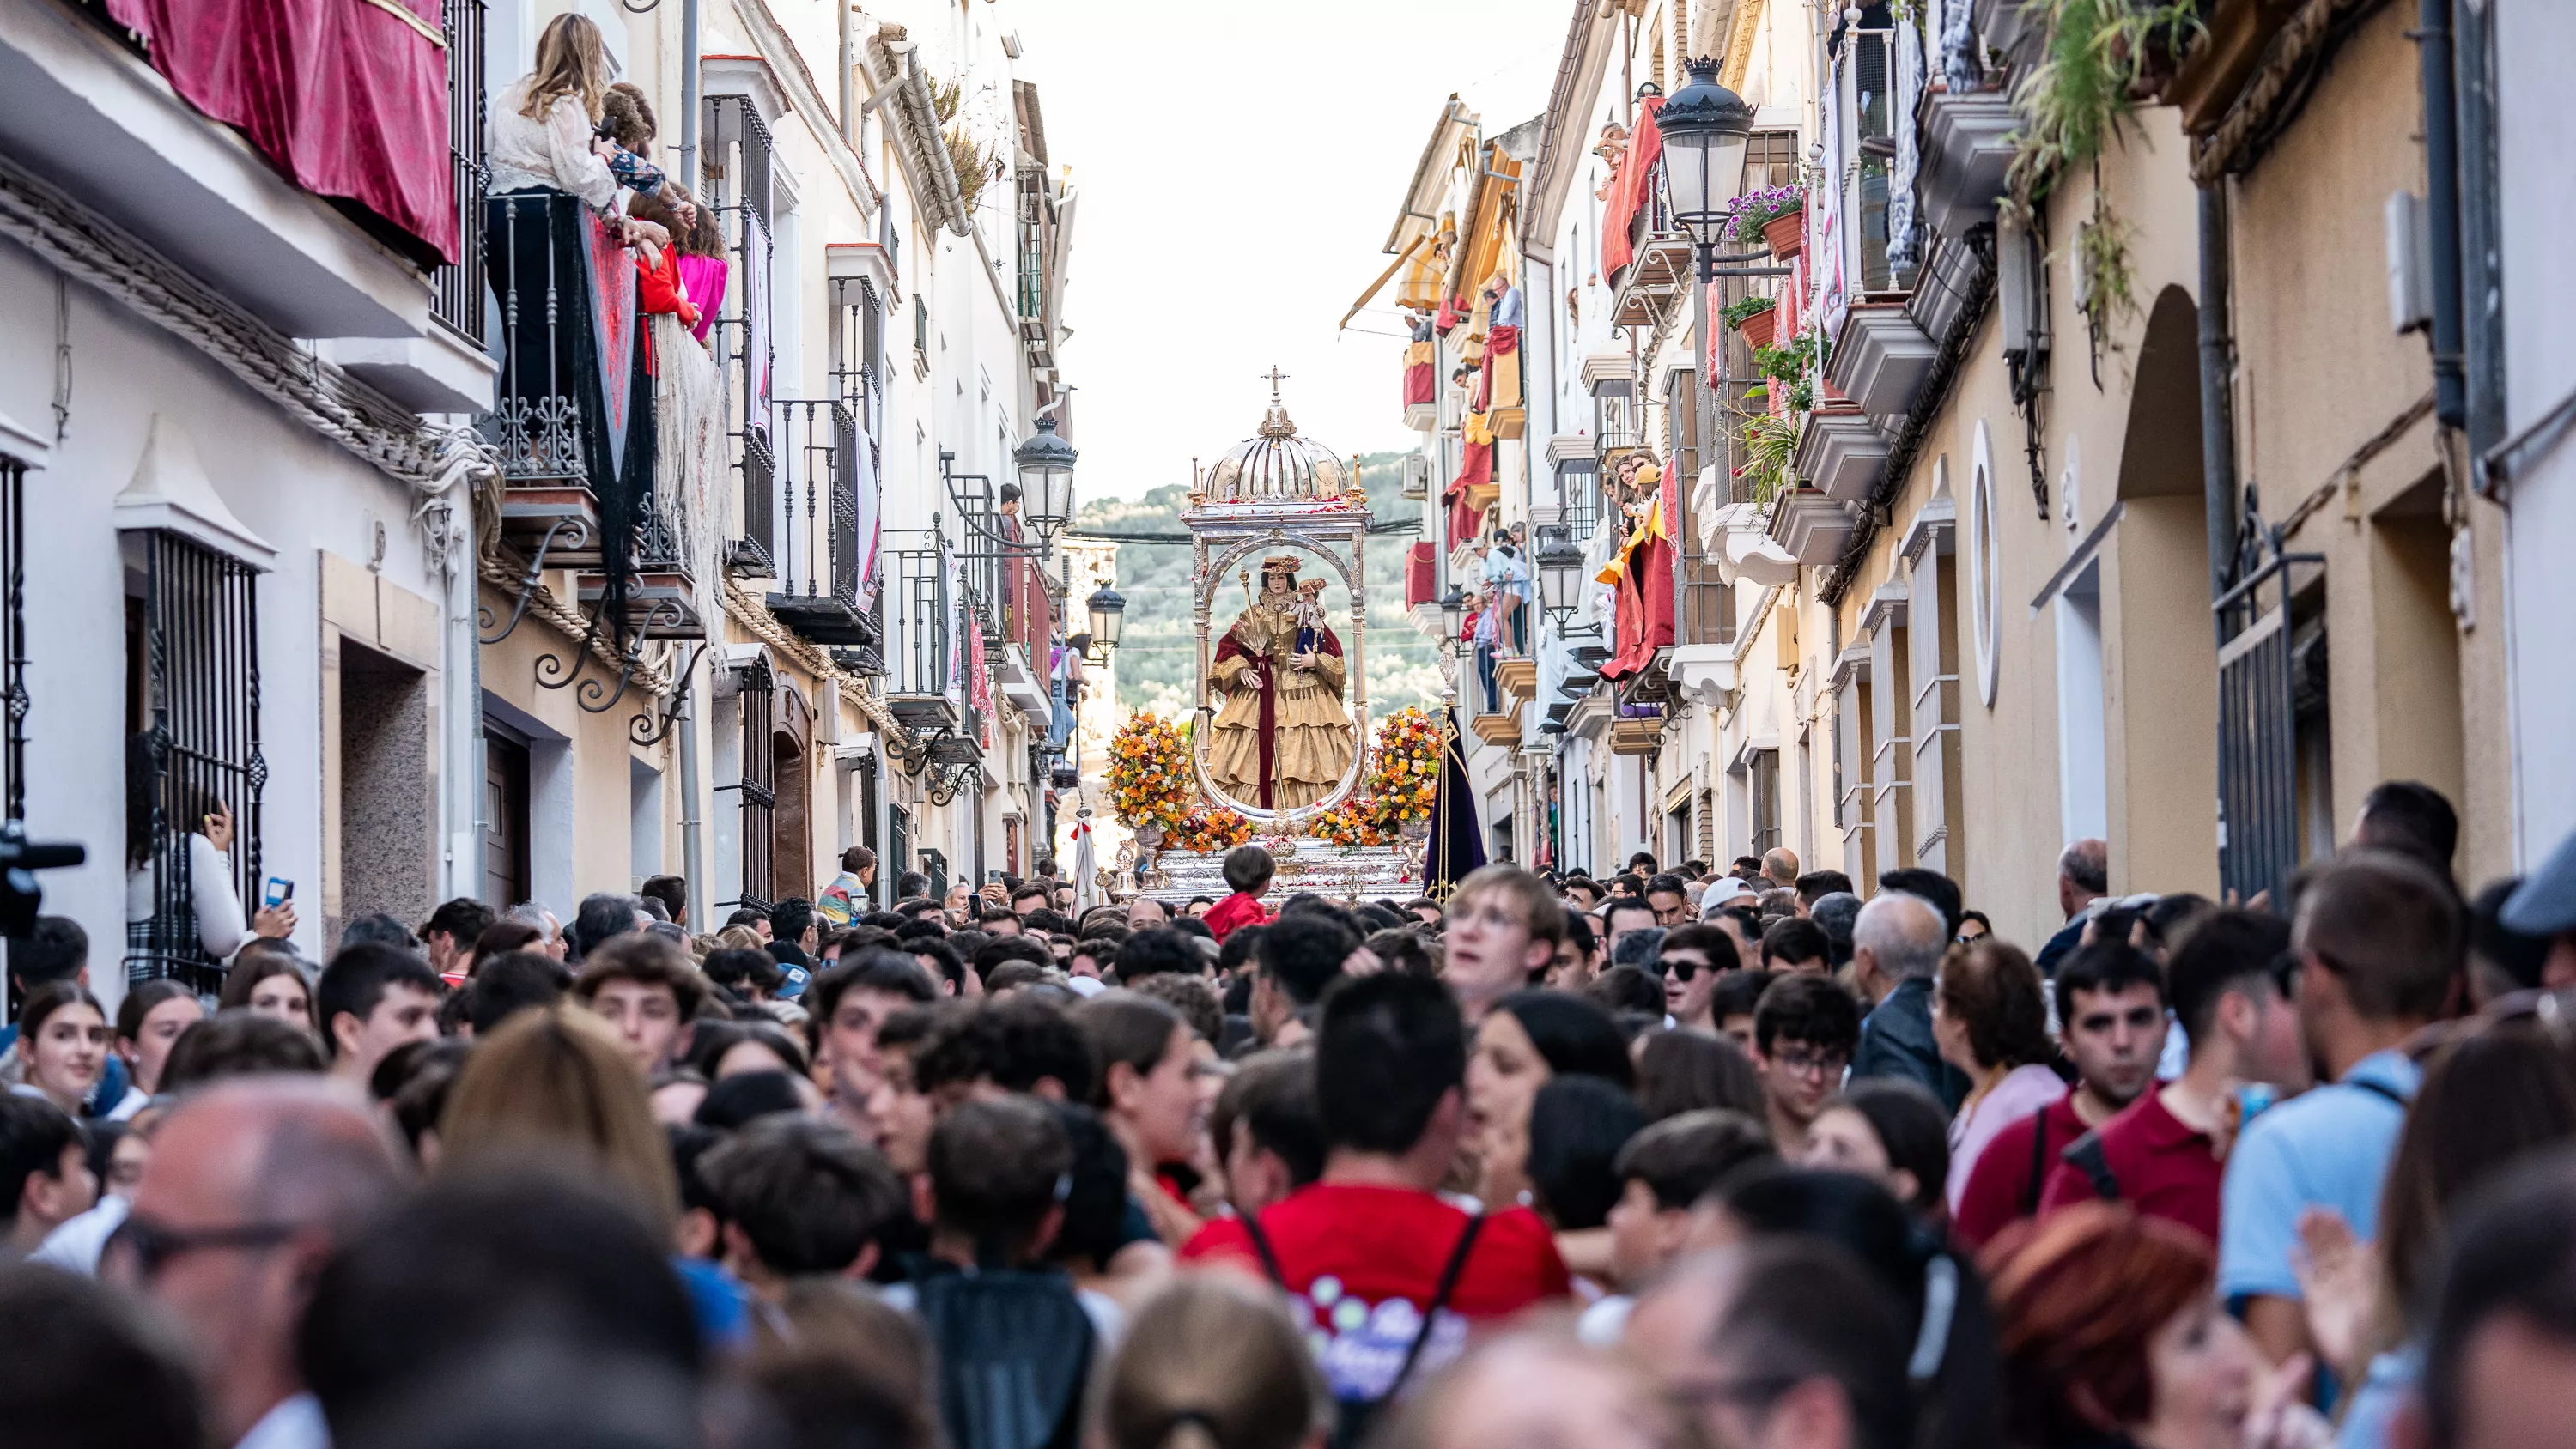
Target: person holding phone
pixel 213 907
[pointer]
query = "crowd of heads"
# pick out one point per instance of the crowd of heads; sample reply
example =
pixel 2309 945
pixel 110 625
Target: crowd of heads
pixel 1677 1157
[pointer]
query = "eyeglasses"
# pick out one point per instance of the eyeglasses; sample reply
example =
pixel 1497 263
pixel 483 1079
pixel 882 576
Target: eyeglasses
pixel 154 1247
pixel 1751 1390
pixel 1804 1063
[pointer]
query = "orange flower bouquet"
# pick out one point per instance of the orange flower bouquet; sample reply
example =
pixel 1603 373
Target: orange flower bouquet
pixel 1208 830
pixel 1149 775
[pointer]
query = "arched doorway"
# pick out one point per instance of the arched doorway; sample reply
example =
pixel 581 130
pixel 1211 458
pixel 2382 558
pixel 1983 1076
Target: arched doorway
pixel 791 816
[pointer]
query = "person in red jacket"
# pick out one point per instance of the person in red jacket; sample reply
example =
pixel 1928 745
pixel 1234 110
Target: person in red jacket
pixel 1248 869
pixel 1382 1273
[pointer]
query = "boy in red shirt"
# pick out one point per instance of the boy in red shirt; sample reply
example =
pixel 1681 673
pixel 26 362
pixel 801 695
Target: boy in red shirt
pixel 2166 1153
pixel 1248 869
pixel 1366 1252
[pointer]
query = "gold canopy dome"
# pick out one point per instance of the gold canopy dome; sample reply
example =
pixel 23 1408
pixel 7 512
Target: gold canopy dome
pixel 1276 465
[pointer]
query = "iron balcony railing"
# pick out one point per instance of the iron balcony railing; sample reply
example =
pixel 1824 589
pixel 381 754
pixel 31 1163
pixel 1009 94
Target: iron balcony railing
pixel 457 289
pixel 736 158
pixel 919 605
pixel 1864 83
pixel 1032 250
pixel 814 539
pixel 1618 418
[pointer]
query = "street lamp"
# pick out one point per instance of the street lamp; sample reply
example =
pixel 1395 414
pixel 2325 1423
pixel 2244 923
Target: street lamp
pixel 1046 480
pixel 1453 610
pixel 1107 606
pixel 1705 128
pixel 1559 564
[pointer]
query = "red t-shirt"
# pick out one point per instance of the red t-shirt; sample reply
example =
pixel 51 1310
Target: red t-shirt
pixel 1363 1262
pixel 2164 1169
pixel 1234 913
pixel 2001 1189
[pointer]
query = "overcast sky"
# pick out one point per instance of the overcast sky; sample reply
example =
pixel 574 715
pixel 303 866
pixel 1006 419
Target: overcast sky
pixel 1239 168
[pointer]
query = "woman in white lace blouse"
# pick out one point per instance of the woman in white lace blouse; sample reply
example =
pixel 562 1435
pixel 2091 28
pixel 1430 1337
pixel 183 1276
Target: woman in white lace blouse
pixel 544 126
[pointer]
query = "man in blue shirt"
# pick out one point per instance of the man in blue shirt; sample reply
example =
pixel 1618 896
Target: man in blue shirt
pixel 2378 942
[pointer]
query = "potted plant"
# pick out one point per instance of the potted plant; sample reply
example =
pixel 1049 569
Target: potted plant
pixel 1755 317
pixel 1775 213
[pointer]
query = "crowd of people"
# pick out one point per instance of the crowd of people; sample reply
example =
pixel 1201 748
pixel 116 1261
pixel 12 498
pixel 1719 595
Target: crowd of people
pixel 1680 1159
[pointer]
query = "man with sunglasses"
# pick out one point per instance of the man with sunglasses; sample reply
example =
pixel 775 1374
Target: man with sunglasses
pixel 249 1184
pixel 1804 1032
pixel 1694 956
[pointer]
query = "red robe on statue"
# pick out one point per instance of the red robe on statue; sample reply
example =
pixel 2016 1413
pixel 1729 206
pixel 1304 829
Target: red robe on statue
pixel 1645 606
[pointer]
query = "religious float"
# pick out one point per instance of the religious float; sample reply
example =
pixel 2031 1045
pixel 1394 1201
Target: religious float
pixel 1273 752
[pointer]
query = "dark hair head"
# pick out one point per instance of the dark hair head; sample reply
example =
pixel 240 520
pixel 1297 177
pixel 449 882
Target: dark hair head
pixel 1575 1036
pixel 2225 950
pixel 1631 905
pixel 1248 868
pixel 911 883
pixel 52 997
pixel 1913 1129
pixel 642 957
pixel 355 983
pixel 1668 884
pixel 1994 991
pixel 1835 914
pixel 1125 1029
pixel 670 891
pixel 1800 1310
pixel 2388 927
pixel 1241 945
pixel 1738 992
pixel 1627 988
pixel 1000 949
pixel 237 1042
pixel 55 949
pixel 2488 1100
pixel 1191 996
pixel 139 1000
pixel 2104 966
pixel 34 1135
pixel 996 1168
pixel 1815 885
pixel 1159 949
pixel 463 919
pixel 1577 1126
pixel 1015 1045
pixel 478 1257
pixel 1643 949
pixel 1389 1049
pixel 1681 1157
pixel 1710 941
pixel 747 1097
pixel 1271 1096
pixel 2511 1256
pixel 510 982
pixel 502 936
pixel 1796 940
pixel 709 1043
pixel 1688 1071
pixel 884 969
pixel 1927 885
pixel 2412 817
pixel 85 1369
pixel 378 929
pixel 1813 1010
pixel 739 968
pixel 1302 952
pixel 789 918
pixel 603 917
pixel 1095 1200
pixel 805 1190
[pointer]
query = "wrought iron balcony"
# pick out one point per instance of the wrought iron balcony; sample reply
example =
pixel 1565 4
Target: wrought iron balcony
pixel 924 673
pixel 1659 271
pixel 457 289
pixel 813 524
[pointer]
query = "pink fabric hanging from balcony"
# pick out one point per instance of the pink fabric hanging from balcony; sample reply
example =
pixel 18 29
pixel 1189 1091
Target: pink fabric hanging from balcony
pixel 1421 566
pixel 347 97
pixel 1628 188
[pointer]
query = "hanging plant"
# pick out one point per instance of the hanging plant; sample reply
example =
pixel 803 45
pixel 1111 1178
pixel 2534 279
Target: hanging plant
pixel 1734 314
pixel 1770 441
pixel 972 161
pixel 2106 277
pixel 1761 206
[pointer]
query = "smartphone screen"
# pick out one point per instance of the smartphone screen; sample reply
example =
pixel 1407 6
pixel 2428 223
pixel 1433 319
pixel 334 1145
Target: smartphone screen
pixel 280 891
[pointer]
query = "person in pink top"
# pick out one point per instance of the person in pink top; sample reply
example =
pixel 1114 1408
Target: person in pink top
pixel 1990 1018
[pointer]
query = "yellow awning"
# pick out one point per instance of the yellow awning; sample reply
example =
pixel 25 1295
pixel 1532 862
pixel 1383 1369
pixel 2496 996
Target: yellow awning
pixel 1419 244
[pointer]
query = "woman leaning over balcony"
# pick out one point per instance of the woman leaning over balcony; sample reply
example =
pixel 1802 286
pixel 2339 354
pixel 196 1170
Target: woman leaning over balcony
pixel 545 125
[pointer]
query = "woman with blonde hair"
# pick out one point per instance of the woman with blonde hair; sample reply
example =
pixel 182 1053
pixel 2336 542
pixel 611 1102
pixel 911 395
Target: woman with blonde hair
pixel 1211 1362
pixel 555 1083
pixel 545 124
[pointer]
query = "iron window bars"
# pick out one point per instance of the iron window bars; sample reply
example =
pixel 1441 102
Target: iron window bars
pixel 456 299
pixel 199 748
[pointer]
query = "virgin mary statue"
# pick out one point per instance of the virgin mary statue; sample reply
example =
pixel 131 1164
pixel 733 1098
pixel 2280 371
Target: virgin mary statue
pixel 1284 737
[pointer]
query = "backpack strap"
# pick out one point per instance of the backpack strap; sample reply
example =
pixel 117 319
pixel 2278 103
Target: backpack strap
pixel 1449 1275
pixel 2379 1089
pixel 2086 1156
pixel 2038 1163
pixel 1261 1249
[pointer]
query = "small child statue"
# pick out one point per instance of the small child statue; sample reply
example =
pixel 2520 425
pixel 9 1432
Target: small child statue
pixel 1309 614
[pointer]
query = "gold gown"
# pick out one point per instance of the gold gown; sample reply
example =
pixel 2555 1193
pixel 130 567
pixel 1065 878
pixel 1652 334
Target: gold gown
pixel 1310 728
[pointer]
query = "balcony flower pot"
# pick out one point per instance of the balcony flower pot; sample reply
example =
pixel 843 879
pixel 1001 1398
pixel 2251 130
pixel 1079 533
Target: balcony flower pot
pixel 1758 329
pixel 1786 235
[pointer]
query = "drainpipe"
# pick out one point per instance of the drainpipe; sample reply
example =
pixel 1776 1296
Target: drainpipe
pixel 693 855
pixel 2217 405
pixel 2442 197
pixel 689 82
pixel 849 136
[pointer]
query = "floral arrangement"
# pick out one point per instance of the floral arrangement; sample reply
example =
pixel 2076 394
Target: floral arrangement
pixel 1209 829
pixel 1349 823
pixel 1149 774
pixel 1735 314
pixel 1404 768
pixel 1760 207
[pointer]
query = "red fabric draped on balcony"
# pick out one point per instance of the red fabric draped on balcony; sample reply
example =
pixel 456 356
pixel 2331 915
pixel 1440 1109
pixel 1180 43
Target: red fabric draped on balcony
pixel 1475 465
pixel 1628 188
pixel 1421 567
pixel 347 97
